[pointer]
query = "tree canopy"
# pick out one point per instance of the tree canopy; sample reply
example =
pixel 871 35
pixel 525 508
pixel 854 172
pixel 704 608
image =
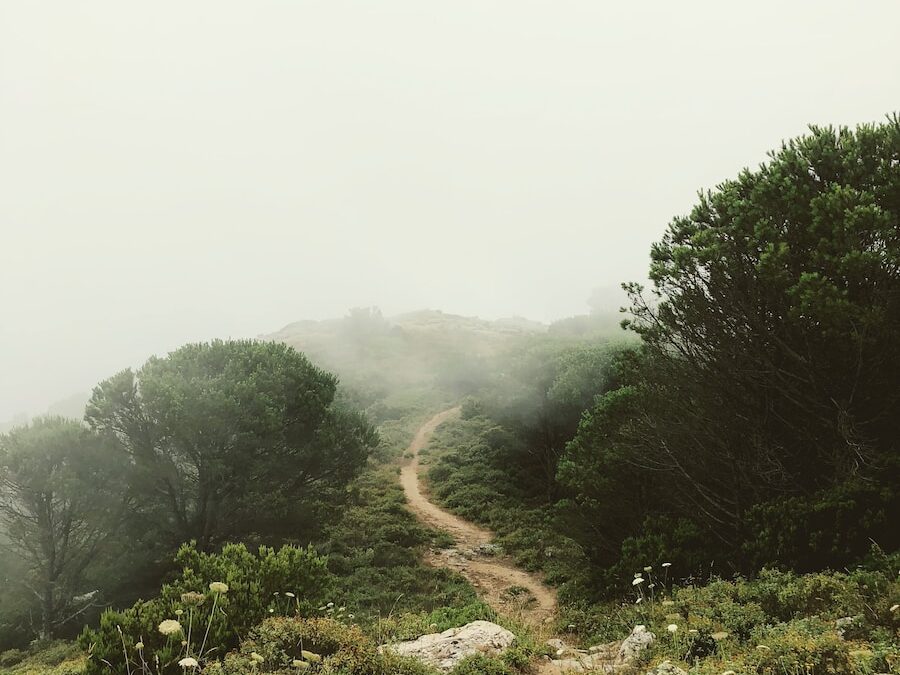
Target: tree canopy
pixel 61 499
pixel 762 408
pixel 228 437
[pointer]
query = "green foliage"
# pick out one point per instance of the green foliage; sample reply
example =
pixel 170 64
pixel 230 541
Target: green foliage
pixel 292 645
pixel 761 406
pixel 55 657
pixel 780 622
pixel 479 664
pixel 375 554
pixel 229 438
pixel 61 499
pixel 256 584
pixel 11 657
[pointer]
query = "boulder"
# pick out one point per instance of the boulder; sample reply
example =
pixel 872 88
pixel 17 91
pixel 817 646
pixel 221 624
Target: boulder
pixel 639 639
pixel 445 650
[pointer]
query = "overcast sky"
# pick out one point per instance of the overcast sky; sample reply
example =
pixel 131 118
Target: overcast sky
pixel 175 171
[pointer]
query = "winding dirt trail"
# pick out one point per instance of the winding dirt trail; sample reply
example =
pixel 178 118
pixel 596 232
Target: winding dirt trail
pixel 492 575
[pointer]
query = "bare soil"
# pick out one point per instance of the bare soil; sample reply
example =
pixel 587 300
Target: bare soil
pixel 497 579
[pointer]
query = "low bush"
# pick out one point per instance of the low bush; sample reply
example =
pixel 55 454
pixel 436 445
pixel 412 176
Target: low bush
pixel 216 599
pixel 11 657
pixel 292 644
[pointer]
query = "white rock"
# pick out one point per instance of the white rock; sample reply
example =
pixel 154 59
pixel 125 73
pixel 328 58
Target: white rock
pixel 634 644
pixel 445 650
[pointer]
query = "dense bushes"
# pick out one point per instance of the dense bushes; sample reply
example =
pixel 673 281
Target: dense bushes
pixel 375 554
pixel 763 400
pixel 294 645
pixel 778 623
pixel 211 620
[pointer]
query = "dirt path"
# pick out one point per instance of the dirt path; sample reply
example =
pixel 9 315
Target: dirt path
pixel 493 576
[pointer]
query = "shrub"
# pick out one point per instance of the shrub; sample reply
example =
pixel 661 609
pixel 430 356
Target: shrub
pixel 810 647
pixel 323 645
pixel 252 580
pixel 479 664
pixel 11 657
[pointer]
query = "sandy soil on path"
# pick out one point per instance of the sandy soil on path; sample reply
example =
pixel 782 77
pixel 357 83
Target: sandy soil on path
pixel 491 575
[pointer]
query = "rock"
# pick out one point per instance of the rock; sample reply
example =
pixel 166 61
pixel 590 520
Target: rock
pixel 445 650
pixel 556 643
pixel 583 664
pixel 608 650
pixel 488 549
pixel 634 644
pixel 843 624
pixel 666 668
pixel 569 665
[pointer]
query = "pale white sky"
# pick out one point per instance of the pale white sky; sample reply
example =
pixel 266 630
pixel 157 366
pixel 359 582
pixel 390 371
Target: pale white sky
pixel 175 171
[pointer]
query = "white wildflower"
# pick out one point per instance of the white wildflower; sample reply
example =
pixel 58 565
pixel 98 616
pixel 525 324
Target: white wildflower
pixel 637 581
pixel 218 587
pixel 188 662
pixel 170 627
pixel 672 628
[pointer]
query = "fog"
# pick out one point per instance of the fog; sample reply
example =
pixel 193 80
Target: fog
pixel 179 171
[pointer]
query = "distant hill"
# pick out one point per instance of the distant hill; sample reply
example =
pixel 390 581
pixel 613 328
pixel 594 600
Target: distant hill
pixel 416 351
pixel 427 353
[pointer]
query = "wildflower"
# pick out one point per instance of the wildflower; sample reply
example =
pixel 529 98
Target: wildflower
pixel 330 604
pixel 729 672
pixel 170 627
pixel 184 643
pixel 192 598
pixel 139 646
pixel 179 612
pixel 350 616
pixel 271 610
pixel 721 635
pixel 638 601
pixel 218 587
pixel 637 575
pixel 289 595
pixel 667 564
pixel 297 663
pixel 672 628
pixel 342 609
pixel 651 585
pixel 668 603
pixel 312 657
pixel 637 581
pixel 648 568
pixel 894 608
pixel 256 657
pixel 188 662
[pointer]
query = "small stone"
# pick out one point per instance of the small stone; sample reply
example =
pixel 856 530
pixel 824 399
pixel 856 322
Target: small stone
pixel 666 668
